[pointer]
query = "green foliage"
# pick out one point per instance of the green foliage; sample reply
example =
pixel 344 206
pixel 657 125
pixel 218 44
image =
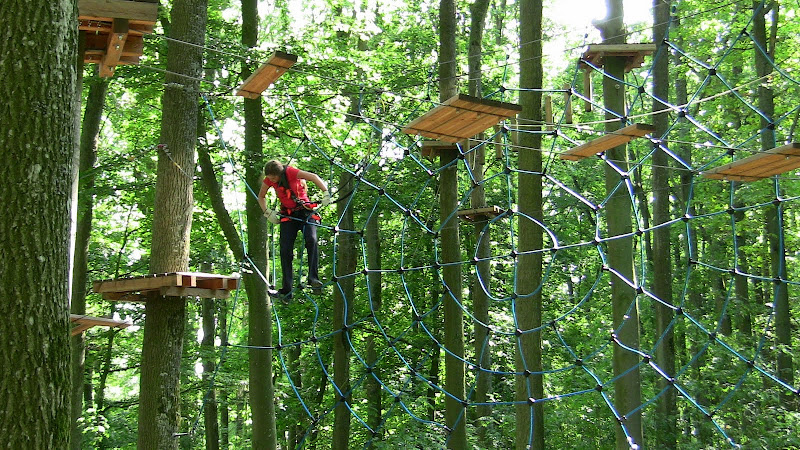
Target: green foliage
pixel 376 65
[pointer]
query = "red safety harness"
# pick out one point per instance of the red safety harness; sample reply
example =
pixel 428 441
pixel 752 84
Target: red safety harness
pixel 300 205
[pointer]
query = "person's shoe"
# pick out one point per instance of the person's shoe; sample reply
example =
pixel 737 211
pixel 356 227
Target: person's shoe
pixel 316 285
pixel 284 295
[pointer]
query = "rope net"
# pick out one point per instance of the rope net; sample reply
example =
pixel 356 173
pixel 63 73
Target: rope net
pixel 726 285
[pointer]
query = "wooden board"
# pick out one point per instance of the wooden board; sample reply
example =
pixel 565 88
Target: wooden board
pixel 113 29
pixel 635 53
pixel 277 64
pixel 760 165
pixel 176 284
pixel 86 322
pixel 430 149
pixel 480 214
pixel 461 117
pixel 607 141
pixel 122 9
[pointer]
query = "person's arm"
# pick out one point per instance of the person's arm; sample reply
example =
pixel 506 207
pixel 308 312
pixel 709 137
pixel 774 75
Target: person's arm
pixel 262 201
pixel 314 178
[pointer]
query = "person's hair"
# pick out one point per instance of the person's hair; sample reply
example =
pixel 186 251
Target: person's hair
pixel 273 167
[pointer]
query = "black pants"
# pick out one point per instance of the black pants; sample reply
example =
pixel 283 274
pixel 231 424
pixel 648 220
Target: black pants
pixel 300 221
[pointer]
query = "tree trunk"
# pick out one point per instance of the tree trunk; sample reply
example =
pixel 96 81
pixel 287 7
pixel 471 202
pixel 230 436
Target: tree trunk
pixel 343 304
pixel 627 388
pixel 528 301
pixel 481 283
pixel 374 278
pixel 262 402
pixel 37 144
pixel 450 242
pixel 666 435
pixel 224 416
pixel 172 218
pixel 207 349
pixel 774 215
pixel 93 113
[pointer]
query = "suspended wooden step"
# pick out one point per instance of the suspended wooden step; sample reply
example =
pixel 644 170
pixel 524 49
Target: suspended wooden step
pixel 461 117
pixel 114 31
pixel 277 64
pixel 760 165
pixel 83 323
pixel 430 149
pixel 634 53
pixel 175 284
pixel 480 214
pixel 607 141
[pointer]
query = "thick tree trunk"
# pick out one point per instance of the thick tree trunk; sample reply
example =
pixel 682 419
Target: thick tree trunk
pixel 95 103
pixel 450 242
pixel 262 392
pixel 625 314
pixel 159 413
pixel 37 141
pixel 481 283
pixel 528 303
pixel 343 303
pixel 666 435
pixel 774 216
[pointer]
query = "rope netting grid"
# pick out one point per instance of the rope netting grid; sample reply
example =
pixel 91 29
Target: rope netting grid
pixel 577 263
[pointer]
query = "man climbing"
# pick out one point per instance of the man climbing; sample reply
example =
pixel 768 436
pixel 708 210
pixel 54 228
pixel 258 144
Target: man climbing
pixel 297 213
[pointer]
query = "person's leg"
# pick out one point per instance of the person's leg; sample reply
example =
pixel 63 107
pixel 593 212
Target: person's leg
pixel 289 231
pixel 310 236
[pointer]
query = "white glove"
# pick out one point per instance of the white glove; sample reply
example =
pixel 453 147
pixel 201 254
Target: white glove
pixel 327 199
pixel 272 216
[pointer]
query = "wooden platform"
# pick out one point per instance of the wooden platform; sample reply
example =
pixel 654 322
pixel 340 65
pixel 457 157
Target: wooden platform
pixel 607 141
pixel 113 31
pixel 175 284
pixel 760 165
pixel 277 64
pixel 480 214
pixel 86 322
pixel 430 149
pixel 461 117
pixel 635 53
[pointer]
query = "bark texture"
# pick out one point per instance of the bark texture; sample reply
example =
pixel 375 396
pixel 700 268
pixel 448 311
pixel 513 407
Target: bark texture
pixel 37 142
pixel 159 406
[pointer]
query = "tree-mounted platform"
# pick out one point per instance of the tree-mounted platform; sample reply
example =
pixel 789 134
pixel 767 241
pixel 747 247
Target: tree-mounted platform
pixel 431 149
pixel 175 284
pixel 83 323
pixel 596 54
pixel 114 31
pixel 461 117
pixel 607 141
pixel 480 214
pixel 277 64
pixel 760 165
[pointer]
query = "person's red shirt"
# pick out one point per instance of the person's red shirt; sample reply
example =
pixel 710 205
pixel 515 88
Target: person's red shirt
pixel 297 185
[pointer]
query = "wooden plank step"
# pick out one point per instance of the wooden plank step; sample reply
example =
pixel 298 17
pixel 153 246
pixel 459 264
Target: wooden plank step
pixel 461 117
pixel 607 141
pixel 760 165
pixel 480 214
pixel 177 284
pixel 277 64
pixel 635 53
pixel 85 322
